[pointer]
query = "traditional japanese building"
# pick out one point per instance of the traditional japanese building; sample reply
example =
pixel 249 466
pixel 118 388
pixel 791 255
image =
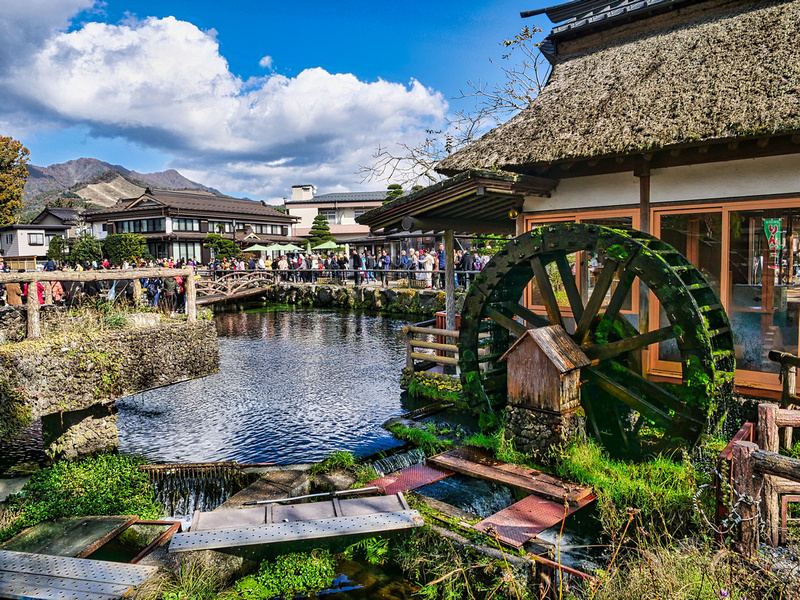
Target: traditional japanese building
pixel 174 223
pixel 680 118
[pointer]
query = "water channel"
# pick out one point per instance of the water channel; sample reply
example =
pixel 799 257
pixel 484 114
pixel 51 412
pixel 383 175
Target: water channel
pixel 293 386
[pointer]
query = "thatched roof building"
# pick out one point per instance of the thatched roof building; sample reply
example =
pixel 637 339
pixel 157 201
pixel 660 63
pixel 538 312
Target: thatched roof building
pixel 706 72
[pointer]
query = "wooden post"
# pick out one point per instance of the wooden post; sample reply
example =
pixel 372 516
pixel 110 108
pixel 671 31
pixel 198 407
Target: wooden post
pixel 748 487
pixel 449 283
pixel 768 427
pixel 409 349
pixel 789 374
pixel 48 292
pixel 191 296
pixel 34 326
pixel 137 292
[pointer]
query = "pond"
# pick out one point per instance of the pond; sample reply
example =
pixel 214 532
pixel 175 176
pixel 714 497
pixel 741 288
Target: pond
pixel 293 386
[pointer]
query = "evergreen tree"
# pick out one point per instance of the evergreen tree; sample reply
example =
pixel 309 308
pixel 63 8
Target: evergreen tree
pixel 58 250
pixel 121 247
pixel 86 249
pixel 13 175
pixel 220 246
pixel 393 190
pixel 320 231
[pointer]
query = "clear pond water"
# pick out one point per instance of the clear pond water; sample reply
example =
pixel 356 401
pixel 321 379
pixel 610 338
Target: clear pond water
pixel 293 386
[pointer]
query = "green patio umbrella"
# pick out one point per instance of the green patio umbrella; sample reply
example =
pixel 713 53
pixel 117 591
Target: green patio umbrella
pixel 292 248
pixel 275 248
pixel 329 245
pixel 257 248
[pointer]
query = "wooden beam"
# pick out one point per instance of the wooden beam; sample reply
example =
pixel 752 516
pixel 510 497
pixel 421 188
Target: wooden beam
pixel 467 226
pixel 32 305
pixel 103 275
pixel 449 280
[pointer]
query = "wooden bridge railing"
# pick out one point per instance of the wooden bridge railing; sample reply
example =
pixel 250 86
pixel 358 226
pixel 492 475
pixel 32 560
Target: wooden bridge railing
pixel 446 354
pixel 34 326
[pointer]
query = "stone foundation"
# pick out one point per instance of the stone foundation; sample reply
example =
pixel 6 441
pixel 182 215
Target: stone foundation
pixel 71 372
pixel 536 432
pixel 425 303
pixel 80 433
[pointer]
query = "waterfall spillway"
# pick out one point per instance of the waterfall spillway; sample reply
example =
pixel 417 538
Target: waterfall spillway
pixel 398 461
pixel 183 489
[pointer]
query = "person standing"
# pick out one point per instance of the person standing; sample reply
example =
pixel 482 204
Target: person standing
pixel 427 262
pixel 441 263
pixel 356 264
pixel 385 264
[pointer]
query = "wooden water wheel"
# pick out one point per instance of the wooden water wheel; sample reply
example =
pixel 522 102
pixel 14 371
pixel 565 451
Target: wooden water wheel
pixel 622 407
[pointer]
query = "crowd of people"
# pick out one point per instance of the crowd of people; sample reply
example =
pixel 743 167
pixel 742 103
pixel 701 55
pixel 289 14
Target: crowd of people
pixel 426 266
pixel 167 294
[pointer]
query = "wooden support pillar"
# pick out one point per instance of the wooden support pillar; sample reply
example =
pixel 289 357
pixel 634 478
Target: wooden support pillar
pixel 643 173
pixel 48 292
pixel 449 282
pixel 748 487
pixel 34 325
pixel 191 296
pixel 789 376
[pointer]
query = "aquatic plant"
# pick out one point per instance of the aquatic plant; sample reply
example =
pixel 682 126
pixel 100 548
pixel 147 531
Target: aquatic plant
pixel 337 460
pixel 287 576
pixel 107 484
pixel 421 438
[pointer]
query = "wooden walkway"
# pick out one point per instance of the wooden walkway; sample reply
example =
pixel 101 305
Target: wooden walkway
pixel 474 463
pixel 39 576
pixel 276 523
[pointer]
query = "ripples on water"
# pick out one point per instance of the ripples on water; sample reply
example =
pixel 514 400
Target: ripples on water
pixel 293 386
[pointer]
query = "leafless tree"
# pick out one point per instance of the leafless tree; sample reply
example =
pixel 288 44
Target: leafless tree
pixel 524 75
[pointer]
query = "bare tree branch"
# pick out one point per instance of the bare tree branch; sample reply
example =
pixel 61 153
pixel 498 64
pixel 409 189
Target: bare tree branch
pixel 410 165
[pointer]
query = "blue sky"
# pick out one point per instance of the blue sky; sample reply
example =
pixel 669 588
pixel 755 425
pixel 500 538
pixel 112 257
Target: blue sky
pixel 249 97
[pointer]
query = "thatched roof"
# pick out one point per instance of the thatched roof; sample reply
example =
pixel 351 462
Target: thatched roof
pixel 734 73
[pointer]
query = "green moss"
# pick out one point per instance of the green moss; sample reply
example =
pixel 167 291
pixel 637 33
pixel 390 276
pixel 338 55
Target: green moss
pixel 421 438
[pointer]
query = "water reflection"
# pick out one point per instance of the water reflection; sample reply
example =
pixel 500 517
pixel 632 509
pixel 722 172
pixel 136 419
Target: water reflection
pixel 293 386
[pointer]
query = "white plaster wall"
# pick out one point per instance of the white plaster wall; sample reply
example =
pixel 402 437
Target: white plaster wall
pixel 751 177
pixel 597 191
pixel 306 215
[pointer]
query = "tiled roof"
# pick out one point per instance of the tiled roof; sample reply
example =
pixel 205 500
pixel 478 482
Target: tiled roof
pixel 194 203
pixel 344 197
pixel 65 214
pixel 589 14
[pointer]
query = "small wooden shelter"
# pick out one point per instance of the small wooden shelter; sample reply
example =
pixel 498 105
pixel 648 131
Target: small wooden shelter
pixel 544 370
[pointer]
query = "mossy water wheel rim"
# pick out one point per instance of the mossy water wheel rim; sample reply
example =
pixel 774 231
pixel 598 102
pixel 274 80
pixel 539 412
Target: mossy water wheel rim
pixel 697 324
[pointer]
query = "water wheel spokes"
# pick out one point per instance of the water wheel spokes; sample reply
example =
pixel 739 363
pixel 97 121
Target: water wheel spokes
pixel 622 406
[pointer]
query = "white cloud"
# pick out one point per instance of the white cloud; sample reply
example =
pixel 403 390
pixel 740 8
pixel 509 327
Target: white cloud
pixel 163 83
pixel 265 62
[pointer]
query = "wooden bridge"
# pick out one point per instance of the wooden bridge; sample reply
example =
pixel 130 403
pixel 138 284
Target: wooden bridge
pixel 237 284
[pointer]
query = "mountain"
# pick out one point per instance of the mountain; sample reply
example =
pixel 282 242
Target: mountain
pixel 92 183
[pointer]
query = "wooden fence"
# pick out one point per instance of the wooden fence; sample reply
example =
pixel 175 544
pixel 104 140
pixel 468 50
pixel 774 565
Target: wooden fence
pixel 445 354
pixel 136 275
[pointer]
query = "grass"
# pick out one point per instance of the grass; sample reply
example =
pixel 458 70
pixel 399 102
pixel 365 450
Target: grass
pixel 660 490
pixel 337 460
pixel 107 484
pixel 425 440
pixel 288 576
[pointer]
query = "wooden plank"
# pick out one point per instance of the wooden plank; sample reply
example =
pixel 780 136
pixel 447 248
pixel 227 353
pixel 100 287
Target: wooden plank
pixel 296 531
pixel 442 360
pixel 475 464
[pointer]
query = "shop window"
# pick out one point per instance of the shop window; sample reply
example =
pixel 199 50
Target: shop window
pixel 764 288
pixel 36 239
pixel 698 237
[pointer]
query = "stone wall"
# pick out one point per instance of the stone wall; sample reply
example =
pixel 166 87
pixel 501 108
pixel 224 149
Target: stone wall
pixel 424 303
pixel 536 432
pixel 14 321
pixel 73 371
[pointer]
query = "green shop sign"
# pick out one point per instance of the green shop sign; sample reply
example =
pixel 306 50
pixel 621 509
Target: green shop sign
pixel 772 227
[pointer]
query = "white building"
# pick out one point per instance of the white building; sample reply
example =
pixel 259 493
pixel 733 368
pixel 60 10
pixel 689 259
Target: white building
pixel 340 208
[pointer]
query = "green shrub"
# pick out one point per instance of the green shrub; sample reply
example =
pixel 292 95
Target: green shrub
pixel 288 576
pixel 107 484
